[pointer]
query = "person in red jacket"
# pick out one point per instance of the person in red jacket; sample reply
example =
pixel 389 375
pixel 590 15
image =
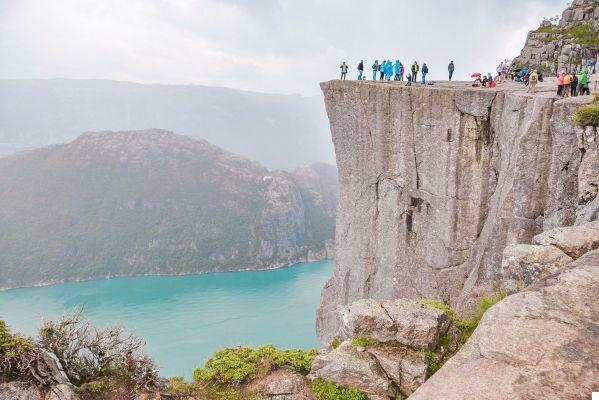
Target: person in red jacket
pixel 560 84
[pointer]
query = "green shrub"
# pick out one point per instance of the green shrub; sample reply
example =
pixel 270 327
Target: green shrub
pixel 439 305
pixel 12 345
pixel 178 386
pixel 467 326
pixel 434 363
pixel 325 390
pixel 336 343
pixel 587 115
pixel 364 342
pixel 234 365
pixel 97 386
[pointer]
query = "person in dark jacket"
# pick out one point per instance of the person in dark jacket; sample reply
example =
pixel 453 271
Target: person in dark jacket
pixel 574 85
pixel 375 69
pixel 424 72
pixel 360 70
pixel 450 69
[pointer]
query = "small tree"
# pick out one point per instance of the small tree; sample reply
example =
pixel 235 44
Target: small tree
pixel 87 353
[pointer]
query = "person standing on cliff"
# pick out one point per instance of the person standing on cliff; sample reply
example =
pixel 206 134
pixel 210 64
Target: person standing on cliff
pixel 415 69
pixel 382 69
pixel 343 70
pixel 397 69
pixel 424 72
pixel 584 84
pixel 450 69
pixel 533 79
pixel 360 70
pixel 560 84
pixel 375 69
pixel 389 70
pixel 567 82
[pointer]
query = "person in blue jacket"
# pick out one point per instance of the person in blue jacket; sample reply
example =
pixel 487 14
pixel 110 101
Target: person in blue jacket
pixel 402 70
pixel 397 68
pixel 382 70
pixel 389 69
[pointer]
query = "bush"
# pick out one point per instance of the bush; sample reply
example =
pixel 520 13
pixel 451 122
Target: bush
pixel 364 342
pixel 234 365
pixel 439 305
pixel 86 353
pixel 22 359
pixel 336 343
pixel 588 115
pixel 325 390
pixel 468 325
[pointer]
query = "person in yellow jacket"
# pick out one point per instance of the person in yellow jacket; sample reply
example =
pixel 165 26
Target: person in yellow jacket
pixel 415 69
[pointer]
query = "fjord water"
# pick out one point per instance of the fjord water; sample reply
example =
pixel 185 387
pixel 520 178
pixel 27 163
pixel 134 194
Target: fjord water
pixel 184 319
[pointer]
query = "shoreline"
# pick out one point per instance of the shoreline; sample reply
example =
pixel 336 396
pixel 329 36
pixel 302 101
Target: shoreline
pixel 98 279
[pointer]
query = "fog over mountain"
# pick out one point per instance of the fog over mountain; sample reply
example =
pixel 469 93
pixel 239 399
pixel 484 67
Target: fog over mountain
pixel 153 202
pixel 279 131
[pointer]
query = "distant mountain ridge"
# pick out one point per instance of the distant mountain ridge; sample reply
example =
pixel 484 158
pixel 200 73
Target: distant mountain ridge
pixel 279 131
pixel 153 202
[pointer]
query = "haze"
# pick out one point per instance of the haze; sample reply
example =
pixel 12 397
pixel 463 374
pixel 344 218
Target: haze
pixel 261 45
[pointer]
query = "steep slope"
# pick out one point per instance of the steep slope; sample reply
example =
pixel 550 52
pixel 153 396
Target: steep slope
pixel 568 44
pixel 152 202
pixel 37 113
pixel 436 181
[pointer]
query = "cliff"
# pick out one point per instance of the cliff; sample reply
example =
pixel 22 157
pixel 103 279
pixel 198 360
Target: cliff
pixel 435 181
pixel 153 202
pixel 567 44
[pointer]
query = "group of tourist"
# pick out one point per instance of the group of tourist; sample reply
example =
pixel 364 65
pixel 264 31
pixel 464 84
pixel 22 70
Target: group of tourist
pixel 569 84
pixel 387 70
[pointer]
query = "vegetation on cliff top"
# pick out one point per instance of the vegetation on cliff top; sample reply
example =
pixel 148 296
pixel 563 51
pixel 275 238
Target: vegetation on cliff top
pixel 235 365
pixel 588 115
pixel 325 390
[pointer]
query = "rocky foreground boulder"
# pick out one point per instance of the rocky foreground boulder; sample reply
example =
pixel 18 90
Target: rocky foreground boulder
pixel 384 348
pixel 539 343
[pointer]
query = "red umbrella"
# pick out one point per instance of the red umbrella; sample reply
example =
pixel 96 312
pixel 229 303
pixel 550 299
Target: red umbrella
pixel 475 75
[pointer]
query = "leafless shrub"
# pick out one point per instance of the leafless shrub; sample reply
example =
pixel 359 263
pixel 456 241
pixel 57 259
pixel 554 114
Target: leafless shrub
pixel 86 353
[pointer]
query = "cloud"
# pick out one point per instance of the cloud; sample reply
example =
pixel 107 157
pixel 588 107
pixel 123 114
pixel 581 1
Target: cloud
pixel 280 46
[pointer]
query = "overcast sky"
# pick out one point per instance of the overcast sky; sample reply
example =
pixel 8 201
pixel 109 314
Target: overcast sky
pixel 282 46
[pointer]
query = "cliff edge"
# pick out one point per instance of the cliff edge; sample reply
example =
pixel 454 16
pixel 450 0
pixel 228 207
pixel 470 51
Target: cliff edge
pixel 435 181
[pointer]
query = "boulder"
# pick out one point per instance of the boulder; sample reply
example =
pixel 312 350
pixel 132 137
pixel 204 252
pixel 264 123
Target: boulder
pixel 524 264
pixel 408 322
pixel 282 384
pixel 348 367
pixel 538 344
pixel 18 391
pixel 574 241
pixel 404 366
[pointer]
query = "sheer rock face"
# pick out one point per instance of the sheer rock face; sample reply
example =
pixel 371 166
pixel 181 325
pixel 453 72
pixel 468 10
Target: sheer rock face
pixel 436 181
pixel 539 343
pixel 554 47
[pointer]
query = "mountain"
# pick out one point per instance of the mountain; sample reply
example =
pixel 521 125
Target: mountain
pixel 153 202
pixel 36 113
pixel 567 44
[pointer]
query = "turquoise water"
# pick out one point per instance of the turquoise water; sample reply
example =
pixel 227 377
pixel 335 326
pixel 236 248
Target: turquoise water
pixel 185 318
